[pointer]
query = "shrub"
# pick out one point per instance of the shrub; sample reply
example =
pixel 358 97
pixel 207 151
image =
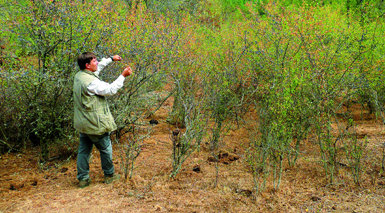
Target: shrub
pixel 38 88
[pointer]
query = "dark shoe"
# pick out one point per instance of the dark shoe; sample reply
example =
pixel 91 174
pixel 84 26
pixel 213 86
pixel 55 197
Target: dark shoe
pixel 84 183
pixel 111 178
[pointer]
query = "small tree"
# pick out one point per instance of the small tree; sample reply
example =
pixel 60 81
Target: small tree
pixel 188 141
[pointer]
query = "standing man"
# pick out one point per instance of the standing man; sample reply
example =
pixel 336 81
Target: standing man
pixel 92 116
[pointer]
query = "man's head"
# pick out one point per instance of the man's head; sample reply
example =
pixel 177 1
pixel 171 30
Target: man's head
pixel 88 61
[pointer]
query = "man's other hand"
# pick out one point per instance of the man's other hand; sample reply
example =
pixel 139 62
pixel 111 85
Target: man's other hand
pixel 116 58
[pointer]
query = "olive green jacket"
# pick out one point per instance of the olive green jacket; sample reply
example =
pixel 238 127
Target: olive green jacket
pixel 92 115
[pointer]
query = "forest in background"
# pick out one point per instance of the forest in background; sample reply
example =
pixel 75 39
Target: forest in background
pixel 300 65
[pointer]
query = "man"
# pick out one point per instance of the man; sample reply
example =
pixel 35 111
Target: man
pixel 92 116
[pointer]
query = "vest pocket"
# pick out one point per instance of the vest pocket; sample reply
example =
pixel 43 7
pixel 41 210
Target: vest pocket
pixel 106 122
pixel 91 122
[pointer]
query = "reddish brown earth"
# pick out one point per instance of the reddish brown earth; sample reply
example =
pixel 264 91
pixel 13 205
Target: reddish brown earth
pixel 27 187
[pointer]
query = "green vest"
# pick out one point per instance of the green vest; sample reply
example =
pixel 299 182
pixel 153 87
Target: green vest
pixel 92 115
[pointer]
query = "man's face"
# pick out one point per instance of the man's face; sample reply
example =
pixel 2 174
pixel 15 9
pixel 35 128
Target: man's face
pixel 93 65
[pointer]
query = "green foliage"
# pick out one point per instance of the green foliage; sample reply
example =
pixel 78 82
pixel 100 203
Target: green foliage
pixel 174 7
pixel 299 64
pixel 306 73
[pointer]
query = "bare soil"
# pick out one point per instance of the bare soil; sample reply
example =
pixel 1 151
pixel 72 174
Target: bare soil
pixel 27 186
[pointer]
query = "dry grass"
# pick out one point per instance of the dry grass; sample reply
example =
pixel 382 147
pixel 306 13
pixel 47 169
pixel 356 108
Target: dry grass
pixel 25 188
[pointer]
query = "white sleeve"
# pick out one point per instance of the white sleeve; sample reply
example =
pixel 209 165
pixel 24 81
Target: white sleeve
pixel 98 87
pixel 103 63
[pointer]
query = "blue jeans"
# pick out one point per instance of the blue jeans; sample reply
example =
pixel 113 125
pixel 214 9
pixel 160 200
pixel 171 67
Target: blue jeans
pixel 103 143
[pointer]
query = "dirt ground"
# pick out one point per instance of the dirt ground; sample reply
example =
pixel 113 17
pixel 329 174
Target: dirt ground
pixel 26 187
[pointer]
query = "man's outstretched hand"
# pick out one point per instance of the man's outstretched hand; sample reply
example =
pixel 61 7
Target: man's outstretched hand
pixel 126 72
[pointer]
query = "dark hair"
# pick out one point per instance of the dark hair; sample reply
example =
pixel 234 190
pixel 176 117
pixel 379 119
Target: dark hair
pixel 85 58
